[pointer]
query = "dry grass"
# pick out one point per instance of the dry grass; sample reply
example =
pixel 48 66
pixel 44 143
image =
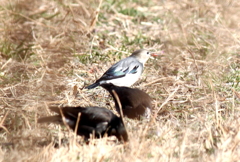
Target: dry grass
pixel 48 48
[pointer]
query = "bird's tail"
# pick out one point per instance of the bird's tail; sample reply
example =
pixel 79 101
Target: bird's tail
pixel 94 85
pixel 51 119
pixel 55 109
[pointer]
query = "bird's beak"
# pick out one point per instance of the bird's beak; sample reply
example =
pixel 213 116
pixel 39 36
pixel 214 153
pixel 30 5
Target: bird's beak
pixel 155 54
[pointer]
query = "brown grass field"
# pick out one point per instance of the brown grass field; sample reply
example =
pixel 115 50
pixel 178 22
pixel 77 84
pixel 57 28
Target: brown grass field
pixel 49 50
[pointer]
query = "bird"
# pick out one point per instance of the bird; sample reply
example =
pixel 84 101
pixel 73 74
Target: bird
pixel 135 103
pixel 90 120
pixel 125 72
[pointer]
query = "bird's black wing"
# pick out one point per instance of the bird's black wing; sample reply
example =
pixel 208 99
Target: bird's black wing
pixel 126 66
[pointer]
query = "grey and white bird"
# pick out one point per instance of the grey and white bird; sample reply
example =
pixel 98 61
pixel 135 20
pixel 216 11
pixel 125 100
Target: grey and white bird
pixel 125 72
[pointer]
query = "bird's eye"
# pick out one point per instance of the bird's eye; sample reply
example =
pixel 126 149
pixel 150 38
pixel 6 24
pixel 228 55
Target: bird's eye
pixel 148 53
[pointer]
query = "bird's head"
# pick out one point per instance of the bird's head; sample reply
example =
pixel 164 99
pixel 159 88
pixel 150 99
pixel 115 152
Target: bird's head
pixel 119 130
pixel 143 55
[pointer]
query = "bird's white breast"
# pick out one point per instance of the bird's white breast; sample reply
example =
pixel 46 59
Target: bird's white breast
pixel 127 81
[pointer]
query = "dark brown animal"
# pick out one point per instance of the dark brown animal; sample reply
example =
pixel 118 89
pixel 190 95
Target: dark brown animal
pixel 97 120
pixel 135 103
